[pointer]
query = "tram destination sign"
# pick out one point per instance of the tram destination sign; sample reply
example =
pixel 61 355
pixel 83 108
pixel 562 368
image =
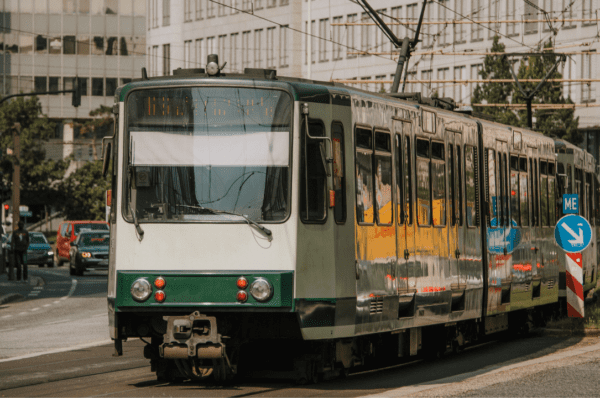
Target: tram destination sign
pixel 573 233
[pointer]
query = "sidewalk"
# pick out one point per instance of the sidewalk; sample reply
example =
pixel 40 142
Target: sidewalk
pixel 17 291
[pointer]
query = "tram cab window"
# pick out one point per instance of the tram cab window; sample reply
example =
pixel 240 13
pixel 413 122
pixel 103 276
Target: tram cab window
pixel 313 179
pixel 514 189
pixel 408 179
pixel 401 214
pixel 423 179
pixel 544 193
pixel 471 178
pixel 438 183
pixel 452 182
pixel 383 178
pixel 364 176
pixel 458 187
pixel 339 179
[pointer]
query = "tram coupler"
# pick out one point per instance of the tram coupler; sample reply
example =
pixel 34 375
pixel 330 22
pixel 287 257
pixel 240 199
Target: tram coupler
pixel 193 335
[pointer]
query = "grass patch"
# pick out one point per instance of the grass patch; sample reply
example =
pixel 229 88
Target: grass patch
pixel 591 320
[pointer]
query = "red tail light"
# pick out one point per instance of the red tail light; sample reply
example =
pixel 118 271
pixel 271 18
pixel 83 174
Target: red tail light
pixel 160 296
pixel 242 296
pixel 242 283
pixel 160 282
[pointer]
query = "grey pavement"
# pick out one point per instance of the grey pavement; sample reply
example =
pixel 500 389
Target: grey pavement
pixel 11 291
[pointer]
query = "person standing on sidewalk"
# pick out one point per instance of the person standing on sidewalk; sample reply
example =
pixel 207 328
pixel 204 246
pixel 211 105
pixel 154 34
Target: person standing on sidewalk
pixel 20 243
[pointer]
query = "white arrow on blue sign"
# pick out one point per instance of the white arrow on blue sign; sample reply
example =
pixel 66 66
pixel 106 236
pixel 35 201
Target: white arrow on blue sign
pixel 573 233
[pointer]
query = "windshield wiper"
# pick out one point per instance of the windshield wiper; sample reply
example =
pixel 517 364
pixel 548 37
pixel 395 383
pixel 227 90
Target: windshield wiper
pixel 264 230
pixel 138 229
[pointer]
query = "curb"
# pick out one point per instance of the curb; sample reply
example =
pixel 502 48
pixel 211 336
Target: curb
pixel 11 298
pixel 565 332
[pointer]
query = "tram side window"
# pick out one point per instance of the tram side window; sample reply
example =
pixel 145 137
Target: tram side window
pixel 364 176
pixel 399 186
pixel 504 189
pixel 313 176
pixel 536 195
pixel 471 186
pixel 570 178
pixel 458 187
pixel 492 192
pixel 339 179
pixel 523 194
pixel 383 178
pixel 514 189
pixel 588 196
pixel 551 195
pixel 408 178
pixel 423 178
pixel 438 183
pixel 578 190
pixel 544 192
pixel 452 182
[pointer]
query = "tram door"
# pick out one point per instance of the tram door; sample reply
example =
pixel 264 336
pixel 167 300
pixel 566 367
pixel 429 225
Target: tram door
pixel 504 219
pixel 457 236
pixel 405 274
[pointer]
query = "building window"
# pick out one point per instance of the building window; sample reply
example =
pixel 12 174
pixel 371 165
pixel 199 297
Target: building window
pixel 69 46
pixel 475 69
pixel 111 45
pixel 210 45
pixel 271 47
pixel 459 29
pixel 199 8
pixel 427 36
pixel 380 38
pixel 442 30
pixel 246 49
pixel 187 10
pixel 97 87
pixel 476 28
pixel 210 9
pixel 494 15
pixel 337 39
pixel 323 43
pixel 459 90
pixel 221 44
pixel 200 56
pixel 426 77
pixel 166 9
pixel 271 3
pixel 187 56
pixel 351 35
pixel 221 9
pixel 233 38
pixel 587 12
pixel 283 46
pixel 40 84
pixel 258 58
pixel 511 28
pixel 548 6
pixel 365 33
pixel 586 73
pixel 568 13
pixel 310 37
pixel 443 74
pixel 111 86
pixel 531 14
pixel 166 59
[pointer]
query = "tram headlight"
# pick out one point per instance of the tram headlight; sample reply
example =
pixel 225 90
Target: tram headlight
pixel 141 290
pixel 261 290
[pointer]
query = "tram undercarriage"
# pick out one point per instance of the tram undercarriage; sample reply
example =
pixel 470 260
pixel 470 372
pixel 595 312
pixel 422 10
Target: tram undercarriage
pixel 201 347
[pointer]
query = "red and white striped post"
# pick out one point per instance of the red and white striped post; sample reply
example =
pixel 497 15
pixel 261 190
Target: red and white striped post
pixel 574 285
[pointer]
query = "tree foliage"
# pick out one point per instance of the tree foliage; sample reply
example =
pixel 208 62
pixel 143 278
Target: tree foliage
pixel 39 177
pixel 558 122
pixel 84 193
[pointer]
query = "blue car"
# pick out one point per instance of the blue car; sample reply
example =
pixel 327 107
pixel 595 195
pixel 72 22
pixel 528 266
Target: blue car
pixel 39 251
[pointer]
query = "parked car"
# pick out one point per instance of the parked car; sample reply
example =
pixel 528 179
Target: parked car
pixel 68 232
pixel 89 250
pixel 39 251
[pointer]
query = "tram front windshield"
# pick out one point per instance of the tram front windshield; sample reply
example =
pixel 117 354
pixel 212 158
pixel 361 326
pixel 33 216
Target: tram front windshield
pixel 197 151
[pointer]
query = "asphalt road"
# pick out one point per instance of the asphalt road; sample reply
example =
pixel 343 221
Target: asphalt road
pixel 61 312
pixel 538 366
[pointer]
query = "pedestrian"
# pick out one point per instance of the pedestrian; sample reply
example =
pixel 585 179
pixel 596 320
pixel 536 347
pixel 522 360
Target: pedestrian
pixel 20 243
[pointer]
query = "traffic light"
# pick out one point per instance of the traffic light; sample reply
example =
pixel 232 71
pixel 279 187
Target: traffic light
pixel 6 209
pixel 76 101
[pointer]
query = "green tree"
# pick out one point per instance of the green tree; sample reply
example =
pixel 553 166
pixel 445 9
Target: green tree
pixel 495 93
pixel 39 177
pixel 558 122
pixel 100 124
pixel 84 193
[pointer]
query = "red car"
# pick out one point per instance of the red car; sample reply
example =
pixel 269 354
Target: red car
pixel 68 232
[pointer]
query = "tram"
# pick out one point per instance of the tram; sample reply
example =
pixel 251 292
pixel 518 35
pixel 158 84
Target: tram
pixel 317 225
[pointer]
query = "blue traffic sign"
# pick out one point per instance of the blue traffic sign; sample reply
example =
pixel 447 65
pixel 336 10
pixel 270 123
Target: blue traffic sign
pixel 573 233
pixel 26 214
pixel 570 203
pixel 502 238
